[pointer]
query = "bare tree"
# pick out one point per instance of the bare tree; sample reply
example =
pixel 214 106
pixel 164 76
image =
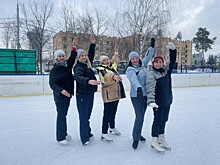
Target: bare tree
pixel 9 33
pixel 67 21
pixel 94 21
pixel 36 15
pixel 141 19
pixel 67 16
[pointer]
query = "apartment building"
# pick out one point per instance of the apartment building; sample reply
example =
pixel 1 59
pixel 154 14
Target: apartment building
pixel 184 50
pixel 104 44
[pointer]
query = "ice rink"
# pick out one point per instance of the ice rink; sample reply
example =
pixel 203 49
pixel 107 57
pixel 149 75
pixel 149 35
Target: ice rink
pixel 27 129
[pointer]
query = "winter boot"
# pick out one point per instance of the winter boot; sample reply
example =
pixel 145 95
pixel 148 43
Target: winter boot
pixel 106 137
pixel 135 144
pixel 162 141
pixel 142 139
pixel 91 136
pixel 86 143
pixel 114 131
pixel 155 144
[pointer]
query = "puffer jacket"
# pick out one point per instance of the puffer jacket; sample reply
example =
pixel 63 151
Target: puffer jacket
pixel 83 74
pixel 137 74
pixel 159 85
pixel 61 77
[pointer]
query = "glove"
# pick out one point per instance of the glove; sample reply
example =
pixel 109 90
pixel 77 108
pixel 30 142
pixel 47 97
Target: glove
pixel 152 42
pixel 171 46
pixel 153 105
pixel 139 92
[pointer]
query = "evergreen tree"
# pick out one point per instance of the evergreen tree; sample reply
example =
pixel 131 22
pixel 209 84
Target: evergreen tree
pixel 203 42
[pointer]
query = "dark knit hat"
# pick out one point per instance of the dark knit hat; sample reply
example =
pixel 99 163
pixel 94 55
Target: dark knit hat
pixel 157 57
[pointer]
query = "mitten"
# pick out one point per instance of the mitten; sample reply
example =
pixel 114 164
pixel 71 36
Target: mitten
pixel 139 92
pixel 171 46
pixel 152 42
pixel 153 105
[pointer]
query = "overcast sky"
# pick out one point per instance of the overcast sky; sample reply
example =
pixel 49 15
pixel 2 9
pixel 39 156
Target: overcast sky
pixel 187 16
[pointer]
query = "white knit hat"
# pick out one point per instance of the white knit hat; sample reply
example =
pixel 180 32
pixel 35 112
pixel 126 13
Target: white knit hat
pixel 58 52
pixel 102 58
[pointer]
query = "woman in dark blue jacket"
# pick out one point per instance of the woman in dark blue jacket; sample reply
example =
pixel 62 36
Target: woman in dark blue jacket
pixel 86 86
pixel 62 83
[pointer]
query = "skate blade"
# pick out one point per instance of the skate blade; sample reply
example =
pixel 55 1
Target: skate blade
pixel 103 139
pixel 118 134
pixel 166 148
pixel 161 152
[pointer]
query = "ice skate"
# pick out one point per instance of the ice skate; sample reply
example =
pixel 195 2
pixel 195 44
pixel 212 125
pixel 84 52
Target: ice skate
pixel 155 144
pixel 114 131
pixel 68 138
pixel 163 143
pixel 106 137
pixel 142 139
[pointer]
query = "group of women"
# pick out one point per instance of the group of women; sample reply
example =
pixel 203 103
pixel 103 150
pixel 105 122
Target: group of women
pixel 152 89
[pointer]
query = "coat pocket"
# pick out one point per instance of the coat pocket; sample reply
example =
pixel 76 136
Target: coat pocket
pixel 111 93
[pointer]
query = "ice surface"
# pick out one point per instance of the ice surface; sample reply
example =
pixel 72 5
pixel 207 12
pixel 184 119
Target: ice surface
pixel 27 132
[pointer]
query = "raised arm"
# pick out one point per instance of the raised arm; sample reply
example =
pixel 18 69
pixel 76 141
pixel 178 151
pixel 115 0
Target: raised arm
pixel 115 56
pixel 149 54
pixel 71 59
pixel 172 55
pixel 91 52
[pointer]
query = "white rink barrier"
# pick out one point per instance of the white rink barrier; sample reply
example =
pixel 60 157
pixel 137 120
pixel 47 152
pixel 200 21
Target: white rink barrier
pixel 26 85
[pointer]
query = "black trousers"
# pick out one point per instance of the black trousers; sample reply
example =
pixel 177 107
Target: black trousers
pixel 62 105
pixel 160 118
pixel 84 106
pixel 109 113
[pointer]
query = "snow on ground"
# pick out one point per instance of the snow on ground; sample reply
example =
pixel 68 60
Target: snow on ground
pixel 27 129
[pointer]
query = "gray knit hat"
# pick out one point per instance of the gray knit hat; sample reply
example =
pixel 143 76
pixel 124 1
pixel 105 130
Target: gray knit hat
pixel 133 54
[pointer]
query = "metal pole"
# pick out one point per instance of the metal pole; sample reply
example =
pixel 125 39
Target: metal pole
pixel 18 43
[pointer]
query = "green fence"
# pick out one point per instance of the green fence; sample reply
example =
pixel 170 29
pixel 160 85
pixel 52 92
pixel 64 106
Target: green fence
pixel 13 61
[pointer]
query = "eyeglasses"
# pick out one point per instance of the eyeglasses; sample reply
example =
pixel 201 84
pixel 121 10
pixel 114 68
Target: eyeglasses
pixel 61 56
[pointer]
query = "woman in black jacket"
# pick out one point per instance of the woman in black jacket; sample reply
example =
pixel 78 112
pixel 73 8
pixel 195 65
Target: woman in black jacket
pixel 86 86
pixel 159 96
pixel 62 83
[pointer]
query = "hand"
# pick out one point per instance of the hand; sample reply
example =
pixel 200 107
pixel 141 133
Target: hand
pixel 75 42
pixel 171 46
pixel 139 92
pixel 65 93
pixel 94 82
pixel 116 77
pixel 153 105
pixel 92 39
pixel 152 42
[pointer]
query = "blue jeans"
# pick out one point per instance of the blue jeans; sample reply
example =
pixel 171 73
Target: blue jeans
pixel 140 106
pixel 84 105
